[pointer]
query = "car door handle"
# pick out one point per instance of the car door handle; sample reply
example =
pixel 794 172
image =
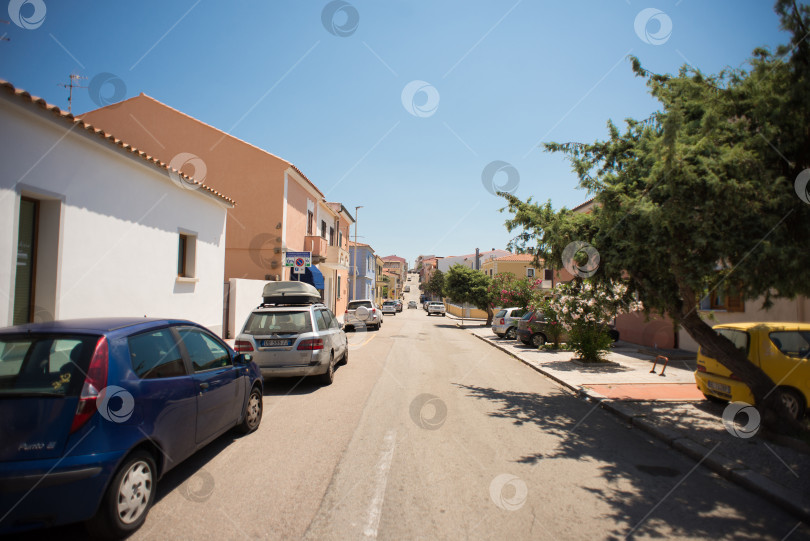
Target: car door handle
pixel 203 386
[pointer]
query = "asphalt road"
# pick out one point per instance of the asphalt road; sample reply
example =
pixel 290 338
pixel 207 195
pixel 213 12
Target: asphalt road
pixel 429 433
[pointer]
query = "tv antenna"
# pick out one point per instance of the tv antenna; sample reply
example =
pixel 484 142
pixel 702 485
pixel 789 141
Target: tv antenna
pixel 71 85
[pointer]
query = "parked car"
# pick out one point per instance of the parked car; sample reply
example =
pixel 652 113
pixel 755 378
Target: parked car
pixel 292 334
pixel 389 307
pixel 504 324
pixel 407 289
pixel 362 313
pixel 781 350
pixel 425 305
pixel 92 409
pixel 436 308
pixel 399 305
pixel 532 329
pixel 412 304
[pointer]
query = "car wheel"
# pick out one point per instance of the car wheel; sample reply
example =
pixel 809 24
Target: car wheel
pixel 499 334
pixel 510 333
pixel 538 340
pixel 345 359
pixel 128 498
pixel 793 401
pixel 329 376
pixel 253 412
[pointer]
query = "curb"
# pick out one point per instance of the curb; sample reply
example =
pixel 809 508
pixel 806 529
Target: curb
pixel 725 467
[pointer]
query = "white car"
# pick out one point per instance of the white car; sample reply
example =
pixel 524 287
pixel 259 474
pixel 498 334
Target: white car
pixel 389 307
pixel 437 308
pixel 362 313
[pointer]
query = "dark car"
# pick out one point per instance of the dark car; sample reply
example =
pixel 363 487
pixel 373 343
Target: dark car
pixel 533 329
pixel 93 412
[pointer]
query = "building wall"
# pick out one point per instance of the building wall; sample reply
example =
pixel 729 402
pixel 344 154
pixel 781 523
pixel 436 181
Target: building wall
pixel 253 177
pixel 656 332
pixel 518 268
pixel 783 310
pixel 116 222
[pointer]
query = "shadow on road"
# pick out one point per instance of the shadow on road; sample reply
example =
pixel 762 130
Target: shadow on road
pixel 646 488
pixel 292 386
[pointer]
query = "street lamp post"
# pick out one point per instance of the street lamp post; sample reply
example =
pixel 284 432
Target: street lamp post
pixel 356 266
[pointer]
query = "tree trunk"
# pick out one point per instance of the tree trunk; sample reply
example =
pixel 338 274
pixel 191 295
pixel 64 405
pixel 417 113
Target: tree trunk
pixel 773 411
pixel 490 315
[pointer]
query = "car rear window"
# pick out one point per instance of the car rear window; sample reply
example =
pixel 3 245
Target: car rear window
pixel 740 339
pixel 354 305
pixel 44 364
pixel 792 343
pixel 389 303
pixel 500 313
pixel 281 322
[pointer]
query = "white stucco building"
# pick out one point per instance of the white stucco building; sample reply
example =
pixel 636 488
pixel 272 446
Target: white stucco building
pixel 468 260
pixel 92 227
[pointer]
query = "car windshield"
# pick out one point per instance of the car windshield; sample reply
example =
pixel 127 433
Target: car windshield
pixel 281 322
pixel 354 305
pixel 44 364
pixel 792 343
pixel 527 315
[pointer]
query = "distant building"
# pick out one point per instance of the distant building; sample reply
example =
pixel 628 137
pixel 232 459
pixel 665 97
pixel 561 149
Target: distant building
pixel 469 260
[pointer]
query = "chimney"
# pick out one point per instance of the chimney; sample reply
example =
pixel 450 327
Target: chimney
pixel 477 259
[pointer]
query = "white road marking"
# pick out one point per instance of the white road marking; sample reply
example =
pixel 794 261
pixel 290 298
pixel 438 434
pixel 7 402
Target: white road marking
pixel 383 467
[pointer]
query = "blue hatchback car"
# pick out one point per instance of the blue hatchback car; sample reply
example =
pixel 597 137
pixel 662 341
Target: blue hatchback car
pixel 94 412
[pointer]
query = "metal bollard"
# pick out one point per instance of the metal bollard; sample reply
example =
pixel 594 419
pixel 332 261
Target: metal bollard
pixel 666 361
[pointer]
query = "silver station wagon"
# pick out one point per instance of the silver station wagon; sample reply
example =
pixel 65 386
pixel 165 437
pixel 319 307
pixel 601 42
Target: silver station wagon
pixel 293 334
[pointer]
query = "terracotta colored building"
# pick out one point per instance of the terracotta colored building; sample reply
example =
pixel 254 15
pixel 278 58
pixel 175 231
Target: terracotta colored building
pixel 279 208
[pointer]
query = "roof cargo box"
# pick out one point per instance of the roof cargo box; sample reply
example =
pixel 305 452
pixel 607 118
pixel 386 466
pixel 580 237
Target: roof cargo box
pixel 290 293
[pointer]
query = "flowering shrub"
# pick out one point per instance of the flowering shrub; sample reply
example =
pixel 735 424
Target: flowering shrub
pixel 508 290
pixel 585 309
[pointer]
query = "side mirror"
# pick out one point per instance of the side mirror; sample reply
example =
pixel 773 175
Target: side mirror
pixel 242 359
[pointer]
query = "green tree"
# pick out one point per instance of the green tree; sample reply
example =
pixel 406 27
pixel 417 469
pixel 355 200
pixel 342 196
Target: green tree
pixel 465 285
pixel 435 284
pixel 700 197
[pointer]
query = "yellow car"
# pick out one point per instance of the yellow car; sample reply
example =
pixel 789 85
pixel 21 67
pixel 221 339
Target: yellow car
pixel 781 350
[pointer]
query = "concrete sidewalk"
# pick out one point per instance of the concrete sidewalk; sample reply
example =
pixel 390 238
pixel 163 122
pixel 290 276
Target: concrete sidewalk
pixel 674 411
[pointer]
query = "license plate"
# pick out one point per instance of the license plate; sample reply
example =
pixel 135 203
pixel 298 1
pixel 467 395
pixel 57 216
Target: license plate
pixel 719 387
pixel 273 343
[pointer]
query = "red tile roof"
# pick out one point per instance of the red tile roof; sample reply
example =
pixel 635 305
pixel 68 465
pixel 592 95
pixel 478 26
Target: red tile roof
pixel 394 258
pixel 515 257
pixel 76 122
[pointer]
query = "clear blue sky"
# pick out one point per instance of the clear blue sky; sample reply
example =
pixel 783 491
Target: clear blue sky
pixel 507 75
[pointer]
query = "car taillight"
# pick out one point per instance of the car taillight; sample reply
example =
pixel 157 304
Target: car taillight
pixel 311 344
pixel 503 321
pixel 373 310
pixel 242 345
pixel 94 383
pixel 732 376
pixel 701 368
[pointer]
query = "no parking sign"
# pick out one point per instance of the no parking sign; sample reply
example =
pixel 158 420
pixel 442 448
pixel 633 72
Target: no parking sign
pixel 298 261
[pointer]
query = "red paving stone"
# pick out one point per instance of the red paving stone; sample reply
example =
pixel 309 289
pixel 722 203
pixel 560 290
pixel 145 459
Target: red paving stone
pixel 648 391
